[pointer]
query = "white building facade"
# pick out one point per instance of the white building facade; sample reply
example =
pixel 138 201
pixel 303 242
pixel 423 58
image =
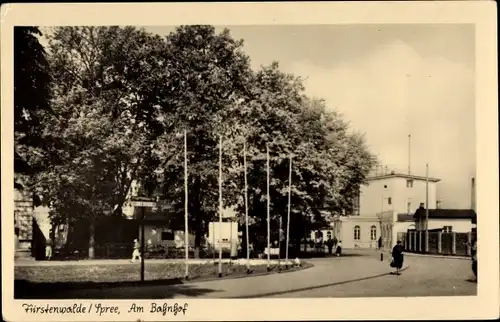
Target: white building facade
pixel 386 207
pixel 400 193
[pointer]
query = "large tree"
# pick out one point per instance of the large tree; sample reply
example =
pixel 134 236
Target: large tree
pixel 31 97
pixel 206 76
pixel 104 129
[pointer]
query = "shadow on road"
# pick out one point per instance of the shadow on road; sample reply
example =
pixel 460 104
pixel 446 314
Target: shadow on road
pixel 315 287
pixel 156 289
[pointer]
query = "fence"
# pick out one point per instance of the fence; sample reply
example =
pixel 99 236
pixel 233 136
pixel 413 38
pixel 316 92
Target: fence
pixel 442 243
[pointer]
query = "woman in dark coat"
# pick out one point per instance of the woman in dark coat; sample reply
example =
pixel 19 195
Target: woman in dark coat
pixel 397 257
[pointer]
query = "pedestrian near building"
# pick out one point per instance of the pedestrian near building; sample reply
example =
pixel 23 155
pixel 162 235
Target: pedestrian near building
pixel 136 254
pixel 397 257
pixel 338 251
pixel 48 249
pixel 335 242
pixel 329 243
pixel 474 258
pixel 379 242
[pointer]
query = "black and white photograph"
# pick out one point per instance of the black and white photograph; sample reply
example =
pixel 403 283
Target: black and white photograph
pixel 172 162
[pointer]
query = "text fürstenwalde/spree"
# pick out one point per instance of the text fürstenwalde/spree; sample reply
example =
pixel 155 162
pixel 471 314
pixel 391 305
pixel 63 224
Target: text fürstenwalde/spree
pixel 79 308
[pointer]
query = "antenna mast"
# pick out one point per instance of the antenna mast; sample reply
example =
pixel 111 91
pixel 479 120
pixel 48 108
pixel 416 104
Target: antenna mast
pixel 409 153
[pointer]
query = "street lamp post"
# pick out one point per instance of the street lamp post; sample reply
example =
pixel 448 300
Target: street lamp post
pixel 143 203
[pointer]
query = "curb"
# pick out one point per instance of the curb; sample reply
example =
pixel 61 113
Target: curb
pixel 229 277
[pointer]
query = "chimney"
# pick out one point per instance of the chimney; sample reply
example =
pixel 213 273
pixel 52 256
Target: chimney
pixel 473 194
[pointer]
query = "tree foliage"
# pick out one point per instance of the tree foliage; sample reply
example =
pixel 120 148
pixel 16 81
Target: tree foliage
pixel 123 99
pixel 31 96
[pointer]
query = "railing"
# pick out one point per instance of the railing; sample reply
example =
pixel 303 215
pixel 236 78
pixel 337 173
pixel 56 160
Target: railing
pixel 442 243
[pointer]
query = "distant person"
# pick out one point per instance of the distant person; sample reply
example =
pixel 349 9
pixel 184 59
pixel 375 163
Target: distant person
pixel 380 243
pixel 338 250
pixel 48 249
pixel 474 258
pixel 329 243
pixel 136 254
pixel 397 257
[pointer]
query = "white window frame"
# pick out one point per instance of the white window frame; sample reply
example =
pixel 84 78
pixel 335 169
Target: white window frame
pixel 357 232
pixel 373 232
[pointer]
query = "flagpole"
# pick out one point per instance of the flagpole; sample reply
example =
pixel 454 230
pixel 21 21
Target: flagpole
pixel 246 205
pixel 186 236
pixel 220 206
pixel 268 216
pixel 289 205
pixel 426 207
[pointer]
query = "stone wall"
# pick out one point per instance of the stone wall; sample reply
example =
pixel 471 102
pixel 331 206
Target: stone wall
pixel 23 223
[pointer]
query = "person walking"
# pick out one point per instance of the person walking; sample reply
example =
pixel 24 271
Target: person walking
pixel 474 258
pixel 380 242
pixel 338 251
pixel 397 257
pixel 136 254
pixel 48 249
pixel 329 243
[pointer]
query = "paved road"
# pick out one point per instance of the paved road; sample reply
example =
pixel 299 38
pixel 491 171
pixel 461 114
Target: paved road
pixel 360 275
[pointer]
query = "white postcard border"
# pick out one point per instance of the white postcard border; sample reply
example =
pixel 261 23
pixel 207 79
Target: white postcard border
pixel 481 13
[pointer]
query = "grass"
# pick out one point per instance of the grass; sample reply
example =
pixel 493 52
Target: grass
pixel 45 281
pixel 102 273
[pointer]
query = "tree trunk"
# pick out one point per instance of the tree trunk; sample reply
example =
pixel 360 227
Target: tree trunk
pixel 197 243
pixel 91 238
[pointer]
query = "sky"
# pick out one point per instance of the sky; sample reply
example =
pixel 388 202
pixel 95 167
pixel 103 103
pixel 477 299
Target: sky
pixel 388 81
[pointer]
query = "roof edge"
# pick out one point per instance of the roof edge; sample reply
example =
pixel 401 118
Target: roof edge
pixel 401 175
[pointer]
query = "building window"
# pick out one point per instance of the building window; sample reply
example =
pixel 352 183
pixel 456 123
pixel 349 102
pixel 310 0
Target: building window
pixel 357 233
pixel 373 233
pixel 408 207
pixel 409 183
pixel 447 229
pixel 389 201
